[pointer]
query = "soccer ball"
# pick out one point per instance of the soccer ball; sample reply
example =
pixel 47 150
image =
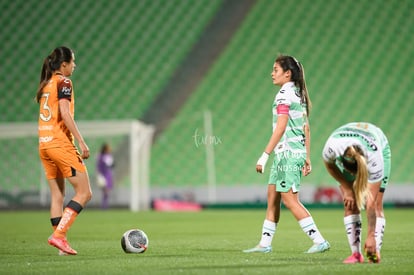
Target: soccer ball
pixel 134 241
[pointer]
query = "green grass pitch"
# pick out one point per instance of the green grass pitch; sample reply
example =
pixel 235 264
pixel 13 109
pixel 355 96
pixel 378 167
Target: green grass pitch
pixel 206 242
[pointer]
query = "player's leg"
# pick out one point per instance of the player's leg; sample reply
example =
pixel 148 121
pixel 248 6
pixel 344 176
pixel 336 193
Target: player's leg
pixel 72 167
pixel 291 201
pixel 57 190
pixel 55 181
pixel 272 216
pixel 57 193
pixel 353 225
pixel 380 223
pixel 105 198
pixel 83 193
pixel 81 185
pixel 353 229
pixel 371 205
pixel 270 222
pixel 289 185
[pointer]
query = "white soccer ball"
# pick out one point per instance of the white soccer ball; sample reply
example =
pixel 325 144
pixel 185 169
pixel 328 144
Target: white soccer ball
pixel 134 241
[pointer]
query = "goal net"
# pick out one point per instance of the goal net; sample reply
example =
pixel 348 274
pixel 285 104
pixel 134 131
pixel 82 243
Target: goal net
pixel 23 181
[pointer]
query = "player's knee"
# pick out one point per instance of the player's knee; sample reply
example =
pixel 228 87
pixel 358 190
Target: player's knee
pixel 88 196
pixel 289 204
pixel 84 196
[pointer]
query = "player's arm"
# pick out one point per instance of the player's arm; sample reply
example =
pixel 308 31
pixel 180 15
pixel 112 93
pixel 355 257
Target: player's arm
pixel 277 134
pixel 374 188
pixel 307 168
pixel 64 109
pixel 346 187
pixel 334 171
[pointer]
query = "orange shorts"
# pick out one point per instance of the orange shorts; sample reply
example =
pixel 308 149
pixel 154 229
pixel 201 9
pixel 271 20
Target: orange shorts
pixel 61 162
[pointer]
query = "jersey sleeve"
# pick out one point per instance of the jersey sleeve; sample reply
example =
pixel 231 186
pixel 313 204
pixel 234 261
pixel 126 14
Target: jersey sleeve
pixel 282 109
pixel 65 89
pixel 282 98
pixel 328 152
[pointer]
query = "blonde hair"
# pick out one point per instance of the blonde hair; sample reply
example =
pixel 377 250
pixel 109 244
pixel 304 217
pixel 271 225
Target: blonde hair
pixel 359 166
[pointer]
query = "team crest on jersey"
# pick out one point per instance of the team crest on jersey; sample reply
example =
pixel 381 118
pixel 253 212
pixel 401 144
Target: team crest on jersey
pixel 280 101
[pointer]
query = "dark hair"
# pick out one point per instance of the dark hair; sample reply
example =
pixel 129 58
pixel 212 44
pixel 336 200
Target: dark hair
pixel 289 63
pixel 52 63
pixel 104 148
pixel 350 162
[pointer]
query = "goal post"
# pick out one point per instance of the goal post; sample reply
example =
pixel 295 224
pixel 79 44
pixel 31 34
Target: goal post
pixel 138 140
pixel 140 144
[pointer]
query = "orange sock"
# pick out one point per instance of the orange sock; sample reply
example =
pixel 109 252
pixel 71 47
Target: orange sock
pixel 68 217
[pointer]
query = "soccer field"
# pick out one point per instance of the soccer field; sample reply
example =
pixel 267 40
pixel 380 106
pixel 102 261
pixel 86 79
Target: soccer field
pixel 206 242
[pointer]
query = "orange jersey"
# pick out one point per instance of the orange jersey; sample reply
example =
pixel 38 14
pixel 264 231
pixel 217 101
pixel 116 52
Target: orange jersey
pixel 52 130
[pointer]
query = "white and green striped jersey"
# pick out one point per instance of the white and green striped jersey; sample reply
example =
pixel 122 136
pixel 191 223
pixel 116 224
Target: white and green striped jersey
pixel 293 139
pixel 368 137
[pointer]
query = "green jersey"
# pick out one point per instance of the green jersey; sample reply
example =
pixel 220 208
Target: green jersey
pixel 288 101
pixel 368 137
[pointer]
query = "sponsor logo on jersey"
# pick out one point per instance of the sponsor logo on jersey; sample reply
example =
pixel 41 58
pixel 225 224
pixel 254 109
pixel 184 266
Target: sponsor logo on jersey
pixel 66 90
pixel 45 139
pixel 376 175
pixel 45 128
pixel 363 137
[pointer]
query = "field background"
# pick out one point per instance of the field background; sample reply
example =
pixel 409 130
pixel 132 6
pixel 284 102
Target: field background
pixel 206 242
pixel 167 62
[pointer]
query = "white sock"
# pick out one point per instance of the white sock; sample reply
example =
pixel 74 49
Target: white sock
pixel 379 232
pixel 309 227
pixel 268 230
pixel 353 227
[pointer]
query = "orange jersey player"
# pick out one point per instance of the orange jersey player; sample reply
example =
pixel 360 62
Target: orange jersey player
pixel 52 129
pixel 58 153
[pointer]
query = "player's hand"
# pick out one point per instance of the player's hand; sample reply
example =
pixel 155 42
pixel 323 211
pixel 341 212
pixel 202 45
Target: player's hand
pixel 349 200
pixel 370 245
pixel 307 167
pixel 84 150
pixel 261 162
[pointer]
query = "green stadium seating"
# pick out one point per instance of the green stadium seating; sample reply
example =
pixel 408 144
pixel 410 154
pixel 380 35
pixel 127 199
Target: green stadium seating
pixel 357 57
pixel 125 50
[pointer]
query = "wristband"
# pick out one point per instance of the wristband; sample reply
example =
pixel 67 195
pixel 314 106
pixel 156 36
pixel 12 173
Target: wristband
pixel 263 160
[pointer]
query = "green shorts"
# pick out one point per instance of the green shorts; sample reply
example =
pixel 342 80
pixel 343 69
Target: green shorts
pixel 286 171
pixel 386 155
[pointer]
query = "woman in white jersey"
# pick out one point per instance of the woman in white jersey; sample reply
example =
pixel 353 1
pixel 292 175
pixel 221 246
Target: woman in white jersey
pixel 291 143
pixel 358 156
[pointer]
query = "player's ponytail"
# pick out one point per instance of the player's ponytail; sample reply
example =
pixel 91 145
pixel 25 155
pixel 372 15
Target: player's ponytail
pixel 50 64
pixel 355 162
pixel 303 89
pixel 298 77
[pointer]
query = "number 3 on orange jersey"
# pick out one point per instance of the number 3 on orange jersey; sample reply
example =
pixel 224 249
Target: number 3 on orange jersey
pixel 46 113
